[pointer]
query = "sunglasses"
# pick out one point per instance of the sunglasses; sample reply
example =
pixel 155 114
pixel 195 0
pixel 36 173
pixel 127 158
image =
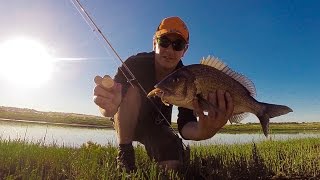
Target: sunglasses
pixel 177 45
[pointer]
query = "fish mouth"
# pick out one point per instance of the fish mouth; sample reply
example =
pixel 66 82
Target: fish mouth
pixel 155 92
pixel 160 93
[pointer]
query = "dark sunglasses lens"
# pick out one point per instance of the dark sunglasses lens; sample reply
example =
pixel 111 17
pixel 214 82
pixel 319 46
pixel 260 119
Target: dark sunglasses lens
pixel 178 45
pixel 164 42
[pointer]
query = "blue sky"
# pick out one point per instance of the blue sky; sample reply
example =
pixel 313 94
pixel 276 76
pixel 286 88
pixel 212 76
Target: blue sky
pixel 274 43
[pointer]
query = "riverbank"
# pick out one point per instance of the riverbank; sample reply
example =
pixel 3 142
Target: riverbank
pixel 279 128
pixel 292 159
pixel 11 114
pixel 54 118
pixel 55 123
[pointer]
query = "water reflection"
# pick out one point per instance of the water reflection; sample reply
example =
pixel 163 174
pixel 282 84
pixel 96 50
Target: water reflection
pixel 61 136
pixel 75 137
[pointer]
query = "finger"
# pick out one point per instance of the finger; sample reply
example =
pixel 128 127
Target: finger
pixel 103 103
pixel 98 80
pixel 213 99
pixel 100 91
pixel 221 100
pixel 100 101
pixel 230 105
pixel 107 82
pixel 106 76
pixel 197 109
pixel 212 110
pixel 221 114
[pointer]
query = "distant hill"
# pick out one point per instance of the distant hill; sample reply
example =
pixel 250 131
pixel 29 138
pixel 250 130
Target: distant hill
pixel 15 113
pixel 26 110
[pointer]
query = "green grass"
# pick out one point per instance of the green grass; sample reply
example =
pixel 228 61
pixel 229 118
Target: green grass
pixel 273 128
pixel 265 160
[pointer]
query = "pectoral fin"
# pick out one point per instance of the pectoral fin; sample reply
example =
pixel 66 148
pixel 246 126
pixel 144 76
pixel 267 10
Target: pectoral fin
pixel 205 104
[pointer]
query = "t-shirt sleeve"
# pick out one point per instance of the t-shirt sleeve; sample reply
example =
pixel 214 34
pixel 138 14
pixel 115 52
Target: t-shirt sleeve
pixel 184 116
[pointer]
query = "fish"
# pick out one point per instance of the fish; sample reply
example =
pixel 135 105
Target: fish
pixel 196 81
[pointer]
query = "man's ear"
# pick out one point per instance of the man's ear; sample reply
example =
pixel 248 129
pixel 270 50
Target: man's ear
pixel 154 43
pixel 185 49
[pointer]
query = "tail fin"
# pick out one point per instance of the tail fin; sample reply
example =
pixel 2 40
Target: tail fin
pixel 270 111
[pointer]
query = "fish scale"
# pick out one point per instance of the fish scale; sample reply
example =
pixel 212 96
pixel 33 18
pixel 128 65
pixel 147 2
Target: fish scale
pixel 237 91
pixel 196 81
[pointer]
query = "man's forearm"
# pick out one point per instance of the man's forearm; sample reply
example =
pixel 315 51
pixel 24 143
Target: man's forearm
pixel 192 131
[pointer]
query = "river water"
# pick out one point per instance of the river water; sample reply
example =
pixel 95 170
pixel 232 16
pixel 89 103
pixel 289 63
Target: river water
pixel 75 136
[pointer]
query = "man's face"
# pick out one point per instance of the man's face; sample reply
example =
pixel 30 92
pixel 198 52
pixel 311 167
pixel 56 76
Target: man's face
pixel 169 49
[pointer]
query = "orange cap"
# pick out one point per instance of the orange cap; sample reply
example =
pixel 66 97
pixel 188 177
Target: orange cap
pixel 173 25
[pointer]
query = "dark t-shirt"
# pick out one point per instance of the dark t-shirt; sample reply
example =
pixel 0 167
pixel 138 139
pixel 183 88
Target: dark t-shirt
pixel 143 68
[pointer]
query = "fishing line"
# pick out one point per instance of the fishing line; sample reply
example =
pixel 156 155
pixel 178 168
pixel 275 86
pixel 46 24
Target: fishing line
pixel 85 15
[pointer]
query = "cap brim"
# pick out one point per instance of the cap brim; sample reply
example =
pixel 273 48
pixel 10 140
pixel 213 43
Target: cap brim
pixel 165 31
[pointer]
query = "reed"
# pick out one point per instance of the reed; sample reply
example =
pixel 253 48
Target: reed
pixel 270 159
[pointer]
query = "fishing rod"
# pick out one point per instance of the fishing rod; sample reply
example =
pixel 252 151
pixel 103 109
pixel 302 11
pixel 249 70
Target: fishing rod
pixel 95 28
pixel 85 15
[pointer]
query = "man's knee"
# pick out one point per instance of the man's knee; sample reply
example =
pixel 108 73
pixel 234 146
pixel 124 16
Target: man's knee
pixel 130 105
pixel 125 120
pixel 132 96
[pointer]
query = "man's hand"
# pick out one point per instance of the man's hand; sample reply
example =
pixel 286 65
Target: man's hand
pixel 107 95
pixel 209 125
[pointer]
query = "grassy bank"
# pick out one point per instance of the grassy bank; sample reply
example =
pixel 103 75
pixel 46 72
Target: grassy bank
pixel 102 122
pixel 271 159
pixel 273 128
pixel 53 117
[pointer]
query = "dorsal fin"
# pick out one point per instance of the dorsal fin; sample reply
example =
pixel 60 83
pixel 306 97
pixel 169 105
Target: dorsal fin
pixel 221 66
